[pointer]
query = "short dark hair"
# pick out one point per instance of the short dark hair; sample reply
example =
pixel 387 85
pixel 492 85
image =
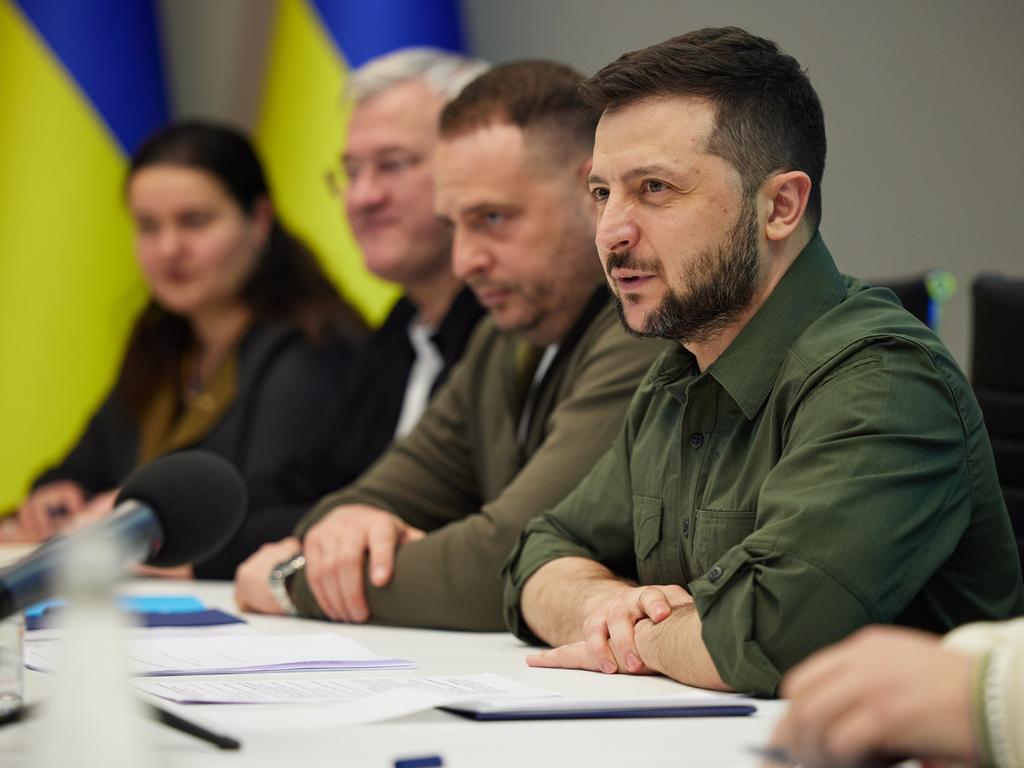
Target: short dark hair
pixel 531 95
pixel 768 119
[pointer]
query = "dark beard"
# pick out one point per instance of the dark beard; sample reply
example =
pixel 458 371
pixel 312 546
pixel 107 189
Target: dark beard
pixel 721 284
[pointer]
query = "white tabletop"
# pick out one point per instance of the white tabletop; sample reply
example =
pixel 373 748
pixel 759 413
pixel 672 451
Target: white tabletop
pixel 592 743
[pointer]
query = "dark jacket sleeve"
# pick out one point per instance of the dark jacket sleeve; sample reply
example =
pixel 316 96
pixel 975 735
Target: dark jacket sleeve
pixel 450 579
pixel 103 455
pixel 283 400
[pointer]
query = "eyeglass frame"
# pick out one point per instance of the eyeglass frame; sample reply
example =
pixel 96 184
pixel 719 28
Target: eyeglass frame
pixel 388 166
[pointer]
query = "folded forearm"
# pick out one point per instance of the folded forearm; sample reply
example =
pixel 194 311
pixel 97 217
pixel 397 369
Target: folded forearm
pixel 674 648
pixel 556 599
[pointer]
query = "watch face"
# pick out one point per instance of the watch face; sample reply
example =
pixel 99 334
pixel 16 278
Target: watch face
pixel 278 586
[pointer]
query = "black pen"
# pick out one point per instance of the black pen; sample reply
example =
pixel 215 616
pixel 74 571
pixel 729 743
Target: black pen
pixel 179 723
pixel 159 714
pixel 17 714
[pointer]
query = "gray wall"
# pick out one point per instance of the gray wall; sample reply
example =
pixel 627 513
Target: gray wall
pixel 922 101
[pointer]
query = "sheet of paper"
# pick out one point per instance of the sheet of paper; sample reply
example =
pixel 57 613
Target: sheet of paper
pixel 229 654
pixel 327 702
pixel 281 690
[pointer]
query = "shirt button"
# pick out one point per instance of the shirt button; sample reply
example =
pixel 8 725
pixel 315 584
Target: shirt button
pixel 696 440
pixel 714 574
pixel 686 527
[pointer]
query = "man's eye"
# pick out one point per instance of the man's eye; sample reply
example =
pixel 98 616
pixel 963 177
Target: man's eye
pixel 392 165
pixel 600 194
pixel 652 185
pixel 494 217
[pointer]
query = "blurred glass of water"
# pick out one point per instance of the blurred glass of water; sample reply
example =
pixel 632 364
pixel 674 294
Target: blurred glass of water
pixel 12 663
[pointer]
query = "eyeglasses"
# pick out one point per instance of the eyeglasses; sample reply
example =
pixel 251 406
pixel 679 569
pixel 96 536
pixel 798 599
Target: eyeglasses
pixel 387 168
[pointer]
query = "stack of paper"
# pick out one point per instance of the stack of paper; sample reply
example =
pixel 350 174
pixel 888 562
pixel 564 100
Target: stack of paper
pixel 232 654
pixel 327 702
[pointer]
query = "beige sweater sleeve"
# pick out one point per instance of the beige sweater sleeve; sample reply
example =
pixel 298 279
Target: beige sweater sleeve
pixel 999 708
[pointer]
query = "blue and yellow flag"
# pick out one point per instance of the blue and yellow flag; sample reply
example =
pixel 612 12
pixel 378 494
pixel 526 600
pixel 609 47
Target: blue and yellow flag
pixel 80 85
pixel 301 128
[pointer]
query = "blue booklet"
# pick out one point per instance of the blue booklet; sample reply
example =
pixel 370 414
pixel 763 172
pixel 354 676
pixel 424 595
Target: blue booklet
pixel 690 704
pixel 145 610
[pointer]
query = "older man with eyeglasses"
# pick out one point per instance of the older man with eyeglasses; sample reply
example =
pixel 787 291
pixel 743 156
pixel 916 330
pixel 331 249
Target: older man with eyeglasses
pixel 385 182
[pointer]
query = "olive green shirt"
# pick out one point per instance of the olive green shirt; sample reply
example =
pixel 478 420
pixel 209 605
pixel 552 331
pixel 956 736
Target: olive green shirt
pixel 463 475
pixel 830 470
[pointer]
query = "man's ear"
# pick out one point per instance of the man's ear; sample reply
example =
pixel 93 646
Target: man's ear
pixel 787 193
pixel 585 167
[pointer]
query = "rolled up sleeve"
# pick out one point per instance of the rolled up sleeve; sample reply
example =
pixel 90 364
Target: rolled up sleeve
pixel 594 521
pixel 864 506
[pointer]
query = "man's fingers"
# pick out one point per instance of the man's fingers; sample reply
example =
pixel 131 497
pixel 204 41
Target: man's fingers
pixel 815 713
pixel 412 534
pixel 818 667
pixel 572 656
pixel 620 632
pixel 320 559
pixel 348 578
pixel 851 737
pixel 595 639
pixel 654 604
pixel 382 539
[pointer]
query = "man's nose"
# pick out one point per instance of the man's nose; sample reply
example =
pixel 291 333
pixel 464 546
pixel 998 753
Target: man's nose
pixel 365 191
pixel 617 229
pixel 469 256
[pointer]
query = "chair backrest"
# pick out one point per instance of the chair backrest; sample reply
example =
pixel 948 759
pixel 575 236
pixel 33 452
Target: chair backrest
pixel 997 373
pixel 912 293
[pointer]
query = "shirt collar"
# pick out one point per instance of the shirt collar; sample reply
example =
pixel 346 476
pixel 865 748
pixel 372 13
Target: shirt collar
pixel 748 367
pixel 460 319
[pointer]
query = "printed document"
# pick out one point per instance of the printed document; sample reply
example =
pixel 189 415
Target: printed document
pixel 232 654
pixel 327 702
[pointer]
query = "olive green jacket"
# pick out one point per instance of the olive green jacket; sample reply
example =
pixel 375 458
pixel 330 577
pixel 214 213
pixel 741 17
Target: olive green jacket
pixel 831 469
pixel 462 475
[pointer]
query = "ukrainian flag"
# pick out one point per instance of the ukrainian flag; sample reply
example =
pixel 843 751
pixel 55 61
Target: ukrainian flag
pixel 80 85
pixel 302 125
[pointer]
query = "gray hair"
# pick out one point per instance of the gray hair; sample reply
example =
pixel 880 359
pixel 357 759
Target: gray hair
pixel 444 72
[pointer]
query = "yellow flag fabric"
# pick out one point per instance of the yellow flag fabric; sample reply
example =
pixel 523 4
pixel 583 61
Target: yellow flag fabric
pixel 69 286
pixel 300 135
pixel 302 126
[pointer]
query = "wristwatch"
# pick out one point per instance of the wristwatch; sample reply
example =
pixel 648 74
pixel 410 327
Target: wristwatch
pixel 279 581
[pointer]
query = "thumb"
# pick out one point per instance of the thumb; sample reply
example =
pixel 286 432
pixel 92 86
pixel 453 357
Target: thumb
pixel 412 534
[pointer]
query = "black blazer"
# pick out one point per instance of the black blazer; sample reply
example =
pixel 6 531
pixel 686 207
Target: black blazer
pixel 284 385
pixel 359 423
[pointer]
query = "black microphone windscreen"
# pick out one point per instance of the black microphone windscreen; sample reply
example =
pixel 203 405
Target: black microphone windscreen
pixel 198 497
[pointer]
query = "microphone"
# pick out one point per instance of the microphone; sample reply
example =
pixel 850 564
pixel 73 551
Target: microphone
pixel 177 509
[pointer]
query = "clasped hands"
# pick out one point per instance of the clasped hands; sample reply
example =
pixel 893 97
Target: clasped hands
pixel 616 623
pixel 62 506
pixel 349 541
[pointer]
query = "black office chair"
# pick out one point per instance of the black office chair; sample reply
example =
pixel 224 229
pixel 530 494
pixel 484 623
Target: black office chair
pixel 923 295
pixel 998 378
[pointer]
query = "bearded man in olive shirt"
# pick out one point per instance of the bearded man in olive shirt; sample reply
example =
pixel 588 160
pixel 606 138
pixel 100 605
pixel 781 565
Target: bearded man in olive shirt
pixel 538 396
pixel 808 459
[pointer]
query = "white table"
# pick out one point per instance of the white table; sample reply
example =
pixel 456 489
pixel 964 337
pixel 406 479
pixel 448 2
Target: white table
pixel 702 742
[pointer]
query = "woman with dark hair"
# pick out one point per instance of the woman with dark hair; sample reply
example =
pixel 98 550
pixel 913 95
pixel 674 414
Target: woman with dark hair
pixel 242 341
